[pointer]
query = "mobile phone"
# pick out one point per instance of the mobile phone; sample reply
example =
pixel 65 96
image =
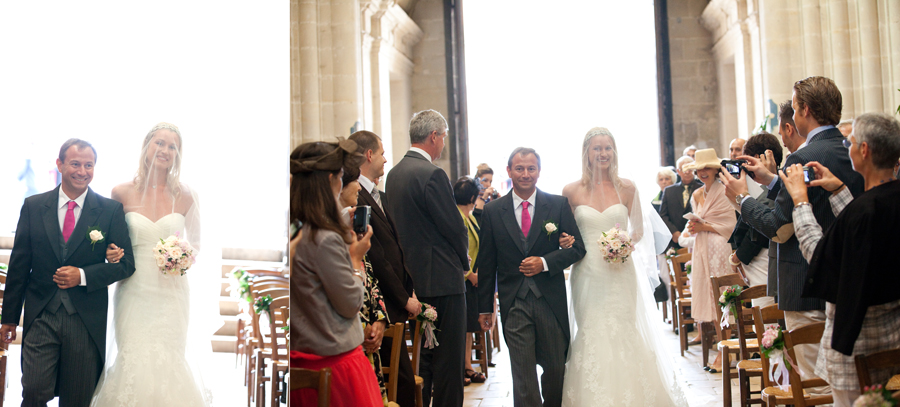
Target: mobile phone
pixel 361 219
pixel 809 174
pixel 296 225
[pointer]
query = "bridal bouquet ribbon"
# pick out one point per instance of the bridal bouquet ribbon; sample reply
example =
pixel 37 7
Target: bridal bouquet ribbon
pixel 875 396
pixel 427 317
pixel 729 303
pixel 174 255
pixel 772 347
pixel 615 245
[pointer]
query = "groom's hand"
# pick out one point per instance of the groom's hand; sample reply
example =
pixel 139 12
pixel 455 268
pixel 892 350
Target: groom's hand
pixel 531 266
pixel 8 332
pixel 484 320
pixel 67 277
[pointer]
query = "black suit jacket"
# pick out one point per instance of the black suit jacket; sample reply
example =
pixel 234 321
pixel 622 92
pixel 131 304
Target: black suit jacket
pixel 386 257
pixel 36 255
pixel 434 239
pixel 827 149
pixel 672 207
pixel 502 251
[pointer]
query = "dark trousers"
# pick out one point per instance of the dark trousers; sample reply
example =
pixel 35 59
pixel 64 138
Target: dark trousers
pixel 443 367
pixel 406 381
pixel 534 337
pixel 59 358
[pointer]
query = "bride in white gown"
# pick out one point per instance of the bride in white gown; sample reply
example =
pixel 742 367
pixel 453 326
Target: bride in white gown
pixel 147 363
pixel 615 358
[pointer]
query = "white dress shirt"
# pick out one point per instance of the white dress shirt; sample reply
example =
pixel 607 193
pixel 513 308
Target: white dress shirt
pixel 517 204
pixel 422 152
pixel 62 207
pixel 366 183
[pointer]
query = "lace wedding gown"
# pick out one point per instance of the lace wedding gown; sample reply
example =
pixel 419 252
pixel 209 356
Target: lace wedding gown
pixel 614 358
pixel 149 366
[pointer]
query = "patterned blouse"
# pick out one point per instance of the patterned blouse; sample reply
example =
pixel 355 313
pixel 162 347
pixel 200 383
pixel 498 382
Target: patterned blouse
pixel 373 311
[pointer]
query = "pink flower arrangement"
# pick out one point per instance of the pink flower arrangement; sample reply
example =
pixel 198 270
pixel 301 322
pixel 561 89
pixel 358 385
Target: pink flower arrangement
pixel 174 255
pixel 615 245
pixel 688 266
pixel 875 396
pixel 729 301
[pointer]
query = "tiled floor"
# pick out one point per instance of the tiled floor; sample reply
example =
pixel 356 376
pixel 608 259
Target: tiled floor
pixel 224 379
pixel 701 388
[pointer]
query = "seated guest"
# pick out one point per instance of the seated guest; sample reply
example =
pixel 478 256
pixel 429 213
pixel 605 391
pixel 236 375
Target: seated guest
pixel 751 247
pixel 664 178
pixel 851 266
pixel 327 284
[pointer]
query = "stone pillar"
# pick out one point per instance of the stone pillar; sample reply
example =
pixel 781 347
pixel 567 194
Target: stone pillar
pixel 296 117
pixel 893 56
pixel 307 73
pixel 841 54
pixel 429 79
pixel 812 38
pixel 346 70
pixel 381 56
pixel 870 55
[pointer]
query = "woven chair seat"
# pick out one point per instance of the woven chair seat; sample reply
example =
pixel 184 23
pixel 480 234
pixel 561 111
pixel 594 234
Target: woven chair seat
pixel 750 365
pixel 752 344
pixel 893 384
pixel 783 396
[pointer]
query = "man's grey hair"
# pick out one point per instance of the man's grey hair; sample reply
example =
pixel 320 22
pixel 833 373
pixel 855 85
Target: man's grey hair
pixel 669 173
pixel 682 161
pixel 424 123
pixel 882 133
pixel 689 148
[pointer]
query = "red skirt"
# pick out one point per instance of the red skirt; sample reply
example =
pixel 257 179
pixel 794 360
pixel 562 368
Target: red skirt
pixel 353 381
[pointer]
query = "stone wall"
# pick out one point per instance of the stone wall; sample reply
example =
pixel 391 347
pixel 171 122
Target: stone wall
pixel 695 91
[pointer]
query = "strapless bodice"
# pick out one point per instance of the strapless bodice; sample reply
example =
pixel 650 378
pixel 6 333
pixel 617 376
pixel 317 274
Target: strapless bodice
pixel 145 232
pixel 592 223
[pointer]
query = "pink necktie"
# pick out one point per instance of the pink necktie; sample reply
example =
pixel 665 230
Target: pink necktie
pixel 69 222
pixel 526 219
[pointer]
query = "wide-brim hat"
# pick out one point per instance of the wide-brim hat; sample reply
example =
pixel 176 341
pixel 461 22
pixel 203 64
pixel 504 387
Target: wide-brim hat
pixel 706 158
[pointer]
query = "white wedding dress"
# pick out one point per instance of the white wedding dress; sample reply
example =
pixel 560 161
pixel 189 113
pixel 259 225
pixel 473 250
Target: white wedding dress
pixel 615 355
pixel 149 365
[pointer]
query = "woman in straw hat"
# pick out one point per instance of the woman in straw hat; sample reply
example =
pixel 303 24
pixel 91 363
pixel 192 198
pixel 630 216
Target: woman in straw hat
pixel 712 224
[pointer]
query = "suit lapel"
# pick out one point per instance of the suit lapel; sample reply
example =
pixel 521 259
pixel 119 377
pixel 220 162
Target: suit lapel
pixel 51 223
pixel 508 216
pixel 541 211
pixel 89 215
pixel 367 199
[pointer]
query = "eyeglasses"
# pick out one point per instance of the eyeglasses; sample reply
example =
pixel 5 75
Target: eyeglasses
pixel 847 143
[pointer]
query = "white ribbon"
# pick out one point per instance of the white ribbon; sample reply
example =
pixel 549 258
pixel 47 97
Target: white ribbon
pixel 726 316
pixel 780 375
pixel 430 338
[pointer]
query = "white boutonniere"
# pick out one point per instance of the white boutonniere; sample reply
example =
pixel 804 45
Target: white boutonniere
pixel 95 235
pixel 550 227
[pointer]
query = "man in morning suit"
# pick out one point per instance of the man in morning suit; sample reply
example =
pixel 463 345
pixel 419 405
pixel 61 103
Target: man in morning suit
pixel 386 257
pixel 676 200
pixel 435 246
pixel 527 266
pixel 816 102
pixel 58 269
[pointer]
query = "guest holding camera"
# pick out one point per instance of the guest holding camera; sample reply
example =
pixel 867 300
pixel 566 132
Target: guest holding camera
pixel 850 266
pixel 752 256
pixel 484 177
pixel 327 281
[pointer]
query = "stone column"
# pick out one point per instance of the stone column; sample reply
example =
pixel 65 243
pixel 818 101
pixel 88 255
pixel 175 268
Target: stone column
pixel 380 61
pixel 345 71
pixel 893 28
pixel 812 37
pixel 870 55
pixel 841 54
pixel 296 117
pixel 307 73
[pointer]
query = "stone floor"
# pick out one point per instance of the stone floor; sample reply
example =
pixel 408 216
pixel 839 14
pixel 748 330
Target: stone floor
pixel 224 379
pixel 701 388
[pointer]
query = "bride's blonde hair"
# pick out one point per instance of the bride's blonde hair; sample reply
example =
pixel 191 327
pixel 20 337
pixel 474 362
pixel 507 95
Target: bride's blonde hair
pixel 173 175
pixel 587 176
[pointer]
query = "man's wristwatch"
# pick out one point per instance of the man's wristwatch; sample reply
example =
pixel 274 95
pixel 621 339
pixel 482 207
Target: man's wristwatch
pixel 739 198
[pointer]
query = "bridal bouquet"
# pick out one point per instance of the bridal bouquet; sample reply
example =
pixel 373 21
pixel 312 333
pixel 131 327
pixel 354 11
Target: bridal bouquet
pixel 615 245
pixel 427 317
pixel 875 396
pixel 174 255
pixel 772 348
pixel 729 303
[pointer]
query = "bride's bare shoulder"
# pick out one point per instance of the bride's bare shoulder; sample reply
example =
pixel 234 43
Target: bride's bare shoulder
pixel 122 192
pixel 572 188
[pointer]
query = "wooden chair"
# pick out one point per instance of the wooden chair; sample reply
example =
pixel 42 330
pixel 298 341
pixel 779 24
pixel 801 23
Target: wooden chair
pixel 681 318
pixel 747 344
pixel 244 311
pixel 313 379
pixel 763 316
pixel 415 349
pixel 481 351
pixel 727 346
pixel 394 332
pixel 255 346
pixel 797 395
pixel 865 364
pixel 277 350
